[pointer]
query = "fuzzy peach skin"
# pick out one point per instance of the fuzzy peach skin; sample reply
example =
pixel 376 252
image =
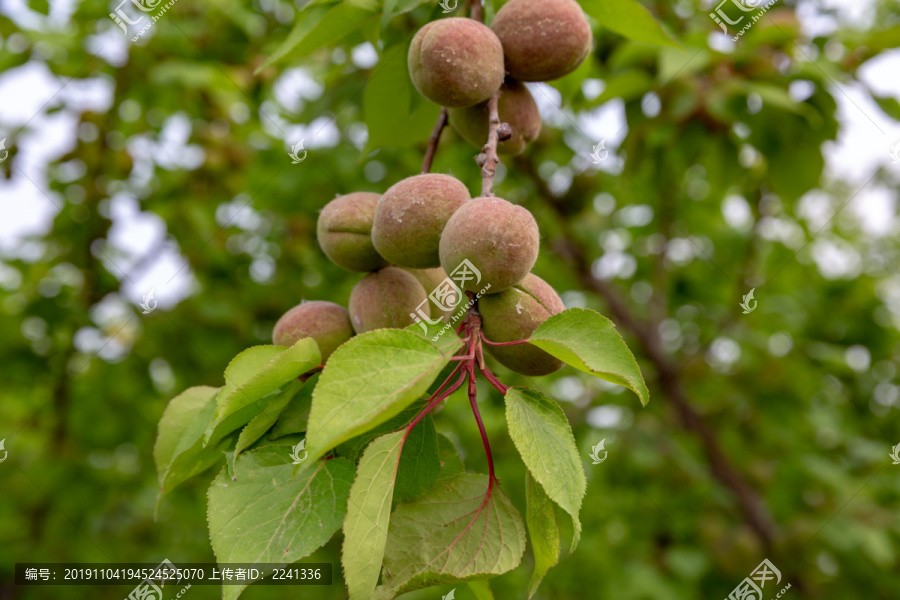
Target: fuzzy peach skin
pixel 516 108
pixel 344 230
pixel 514 315
pixel 411 215
pixel 456 62
pixel 542 39
pixel 326 322
pixel 386 299
pixel 499 238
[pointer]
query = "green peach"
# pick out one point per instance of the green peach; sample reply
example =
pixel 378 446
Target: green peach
pixel 344 231
pixel 499 238
pixel 325 322
pixel 410 216
pixel 517 108
pixel 386 299
pixel 456 62
pixel 542 39
pixel 514 315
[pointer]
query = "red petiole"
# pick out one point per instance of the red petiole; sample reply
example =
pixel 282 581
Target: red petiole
pixel 470 359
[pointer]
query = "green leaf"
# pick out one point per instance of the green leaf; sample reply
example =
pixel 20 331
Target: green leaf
pixel 404 6
pixel 387 104
pixel 353 448
pixel 252 376
pixel 262 422
pixel 284 445
pixel 451 463
pixel 629 18
pixel 419 463
pixel 461 529
pixel 253 24
pixel 627 85
pixel 179 452
pixel 268 517
pixel 319 26
pixel 387 13
pixel 589 342
pixel 543 530
pixel 681 63
pixel 446 340
pixel 368 380
pixel 295 415
pixel 40 6
pixel 889 105
pixel 539 429
pixel 368 514
pixel 481 589
pixel 776 97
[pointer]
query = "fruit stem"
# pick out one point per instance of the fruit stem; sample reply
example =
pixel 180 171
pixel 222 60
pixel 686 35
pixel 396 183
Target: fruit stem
pixel 488 158
pixel 437 397
pixel 479 352
pixel 490 343
pixel 484 438
pixel 431 150
pixel 449 377
pixel 489 375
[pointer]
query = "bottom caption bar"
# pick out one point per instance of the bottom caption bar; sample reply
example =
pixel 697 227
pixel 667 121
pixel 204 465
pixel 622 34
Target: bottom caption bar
pixel 168 574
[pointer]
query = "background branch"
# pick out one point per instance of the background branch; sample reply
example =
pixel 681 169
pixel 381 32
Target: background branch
pixel 752 506
pixel 488 159
pixel 433 140
pixel 477 10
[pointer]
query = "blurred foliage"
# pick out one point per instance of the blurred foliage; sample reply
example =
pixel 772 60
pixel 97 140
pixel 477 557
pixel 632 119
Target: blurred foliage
pixel 718 186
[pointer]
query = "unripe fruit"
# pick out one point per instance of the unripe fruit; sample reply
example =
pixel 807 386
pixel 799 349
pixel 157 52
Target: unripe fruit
pixel 325 322
pixel 514 315
pixel 456 62
pixel 430 280
pixel 344 230
pixel 499 238
pixel 542 39
pixel 385 299
pixel 411 215
pixel 516 107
